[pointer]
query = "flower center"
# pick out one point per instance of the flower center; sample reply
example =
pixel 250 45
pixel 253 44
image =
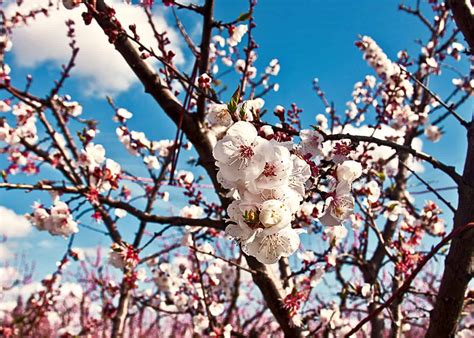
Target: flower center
pixel 246 152
pixel 269 170
pixel 270 217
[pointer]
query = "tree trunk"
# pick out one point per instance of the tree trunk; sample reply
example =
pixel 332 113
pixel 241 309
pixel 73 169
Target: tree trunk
pixel 396 327
pixel 459 264
pixel 463 14
pixel 377 325
pixel 271 289
pixel 118 323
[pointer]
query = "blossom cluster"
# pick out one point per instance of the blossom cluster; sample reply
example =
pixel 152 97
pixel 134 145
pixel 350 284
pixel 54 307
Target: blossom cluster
pixel 104 172
pixel 57 220
pixel 268 184
pixel 268 180
pixel 396 86
pixel 123 256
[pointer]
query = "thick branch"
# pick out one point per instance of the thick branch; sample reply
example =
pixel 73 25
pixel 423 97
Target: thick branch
pixel 463 13
pixel 272 293
pixel 459 264
pixel 204 50
pixel 163 96
pixel 141 215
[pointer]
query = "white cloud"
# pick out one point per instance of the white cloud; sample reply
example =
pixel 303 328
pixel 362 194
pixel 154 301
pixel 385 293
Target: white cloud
pixel 12 224
pixel 46 244
pixel 8 275
pixel 5 253
pixel 100 66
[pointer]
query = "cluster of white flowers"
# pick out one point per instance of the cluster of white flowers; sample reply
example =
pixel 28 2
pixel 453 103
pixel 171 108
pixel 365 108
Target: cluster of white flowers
pixel 25 129
pixel 268 184
pixel 429 218
pixel 379 154
pixel 241 64
pixel 68 107
pixel 57 220
pixel 268 179
pixel 175 281
pixel 465 84
pixel 383 66
pixel 362 94
pixel 236 34
pixel 137 143
pixel 123 256
pixel 104 173
pixel 396 86
pixel 340 204
pixel 331 317
pixel 133 140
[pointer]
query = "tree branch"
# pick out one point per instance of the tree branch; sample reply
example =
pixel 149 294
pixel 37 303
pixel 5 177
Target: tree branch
pixel 449 170
pixel 463 13
pixel 406 285
pixel 459 267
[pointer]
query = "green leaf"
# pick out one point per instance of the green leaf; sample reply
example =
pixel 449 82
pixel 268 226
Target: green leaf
pixel 244 17
pixel 242 113
pixel 234 101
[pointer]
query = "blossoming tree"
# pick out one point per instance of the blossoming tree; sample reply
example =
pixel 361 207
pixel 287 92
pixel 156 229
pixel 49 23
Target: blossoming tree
pixel 306 230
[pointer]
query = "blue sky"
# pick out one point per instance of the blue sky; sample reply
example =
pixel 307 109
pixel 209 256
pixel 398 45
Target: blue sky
pixel 310 38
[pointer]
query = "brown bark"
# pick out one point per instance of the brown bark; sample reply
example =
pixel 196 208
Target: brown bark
pixel 208 21
pixel 464 19
pixel 118 322
pixel 271 289
pixel 459 264
pixel 395 308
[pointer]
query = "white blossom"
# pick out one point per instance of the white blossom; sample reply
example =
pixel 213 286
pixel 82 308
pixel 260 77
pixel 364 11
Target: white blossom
pixel 71 4
pixel 218 114
pixel 124 114
pixel 336 234
pixel 241 153
pixel 236 34
pixel 268 249
pixel 152 162
pixel 349 171
pixel 311 142
pixel 191 211
pixel 433 133
pixel 57 221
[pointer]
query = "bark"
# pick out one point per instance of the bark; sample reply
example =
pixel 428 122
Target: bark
pixel 118 323
pixel 463 14
pixel 459 264
pixel 271 289
pixel 208 11
pixel 395 308
pixel 377 325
